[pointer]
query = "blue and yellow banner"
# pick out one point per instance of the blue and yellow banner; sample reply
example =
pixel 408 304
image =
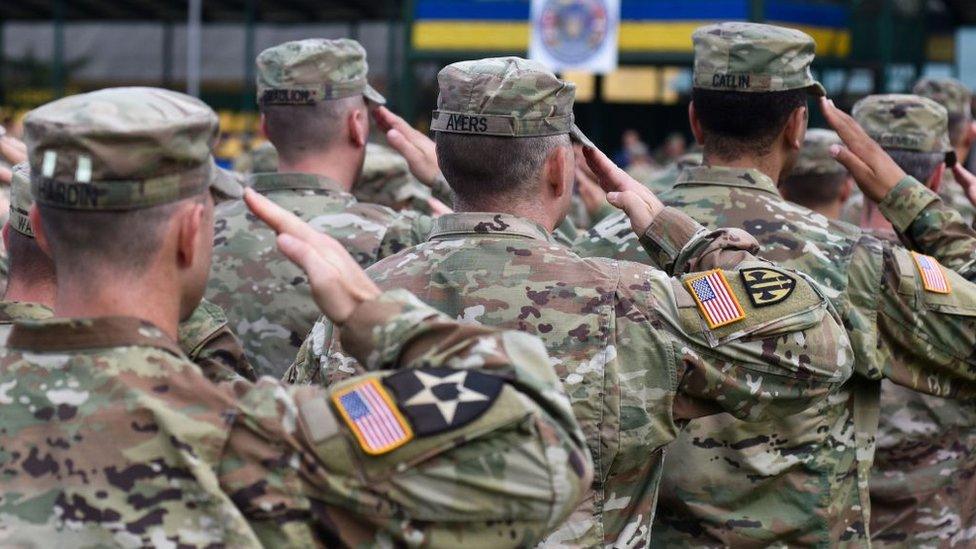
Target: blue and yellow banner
pixel 646 26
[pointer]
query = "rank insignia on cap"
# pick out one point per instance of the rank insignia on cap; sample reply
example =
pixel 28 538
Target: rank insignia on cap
pixel 767 287
pixel 933 277
pixel 373 417
pixel 436 400
pixel 715 299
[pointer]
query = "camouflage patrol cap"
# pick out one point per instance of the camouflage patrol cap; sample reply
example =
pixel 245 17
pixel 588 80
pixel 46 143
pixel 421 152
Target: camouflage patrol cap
pixel 123 149
pixel 264 158
pixel 901 121
pixel 20 200
pixel 304 72
pixel 948 92
pixel 752 57
pixel 504 96
pixel 815 155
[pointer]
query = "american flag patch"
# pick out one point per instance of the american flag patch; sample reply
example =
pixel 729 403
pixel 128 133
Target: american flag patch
pixel 373 417
pixel 933 277
pixel 715 299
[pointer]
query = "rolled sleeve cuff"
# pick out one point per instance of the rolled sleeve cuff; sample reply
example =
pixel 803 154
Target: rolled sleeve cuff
pixel 669 234
pixel 378 330
pixel 903 204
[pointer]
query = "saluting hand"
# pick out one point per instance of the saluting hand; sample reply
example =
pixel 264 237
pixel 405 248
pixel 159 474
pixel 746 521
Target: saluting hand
pixel 338 283
pixel 874 171
pixel 416 147
pixel 623 191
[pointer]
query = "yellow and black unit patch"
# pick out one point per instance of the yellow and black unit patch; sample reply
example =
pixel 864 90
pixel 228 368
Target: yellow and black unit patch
pixel 767 287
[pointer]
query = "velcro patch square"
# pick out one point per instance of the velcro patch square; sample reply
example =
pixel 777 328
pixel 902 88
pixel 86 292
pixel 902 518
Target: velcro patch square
pixel 373 417
pixel 715 299
pixel 933 277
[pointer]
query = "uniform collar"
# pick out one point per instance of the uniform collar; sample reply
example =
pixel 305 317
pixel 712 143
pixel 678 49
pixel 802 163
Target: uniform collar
pixel 11 311
pixel 274 181
pixel 484 224
pixel 727 177
pixel 78 334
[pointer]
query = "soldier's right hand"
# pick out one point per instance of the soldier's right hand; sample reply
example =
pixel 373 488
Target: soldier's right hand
pixel 338 284
pixel 966 180
pixel 13 150
pixel 414 146
pixel 623 191
pixel 874 171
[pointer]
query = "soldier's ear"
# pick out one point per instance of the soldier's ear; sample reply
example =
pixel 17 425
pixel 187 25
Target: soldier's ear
pixel 796 128
pixel 935 180
pixel 559 171
pixel 358 127
pixel 39 234
pixel 191 223
pixel 970 137
pixel 696 129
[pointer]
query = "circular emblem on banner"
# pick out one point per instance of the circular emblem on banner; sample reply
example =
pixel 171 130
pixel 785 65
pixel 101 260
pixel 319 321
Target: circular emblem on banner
pixel 573 30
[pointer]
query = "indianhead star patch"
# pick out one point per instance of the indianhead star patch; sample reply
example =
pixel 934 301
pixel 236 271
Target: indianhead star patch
pixel 767 287
pixel 715 299
pixel 373 417
pixel 436 400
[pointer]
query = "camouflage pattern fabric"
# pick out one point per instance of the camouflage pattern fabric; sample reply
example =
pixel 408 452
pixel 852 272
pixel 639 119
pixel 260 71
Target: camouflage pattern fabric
pixel 957 99
pixel 13 311
pixel 901 121
pixel 504 96
pixel 804 480
pixel 122 150
pixel 386 180
pixel 815 156
pixel 264 158
pixel 208 341
pixel 627 340
pixel 114 438
pixel 266 298
pixel 304 72
pixel 752 57
pixel 923 484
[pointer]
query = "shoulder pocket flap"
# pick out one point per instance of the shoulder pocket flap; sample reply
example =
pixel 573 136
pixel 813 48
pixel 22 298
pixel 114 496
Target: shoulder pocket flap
pixel 770 302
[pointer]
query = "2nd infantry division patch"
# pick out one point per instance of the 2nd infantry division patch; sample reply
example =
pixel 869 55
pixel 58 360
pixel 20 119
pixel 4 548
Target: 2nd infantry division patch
pixel 933 277
pixel 715 299
pixel 373 417
pixel 767 287
pixel 439 400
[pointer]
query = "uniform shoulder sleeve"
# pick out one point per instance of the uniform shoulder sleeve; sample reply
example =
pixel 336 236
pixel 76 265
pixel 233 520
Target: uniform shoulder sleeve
pixel 928 225
pixel 207 340
pixel 468 439
pixel 755 341
pixel 926 316
pixel 405 231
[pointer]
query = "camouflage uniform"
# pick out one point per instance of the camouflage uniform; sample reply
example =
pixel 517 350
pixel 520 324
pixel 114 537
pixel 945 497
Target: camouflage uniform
pixel 627 340
pixel 386 180
pixel 111 437
pixel 957 100
pixel 923 484
pixel 266 297
pixel 814 157
pixel 804 479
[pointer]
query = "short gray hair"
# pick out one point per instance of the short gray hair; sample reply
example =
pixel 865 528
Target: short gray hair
pixel 484 169
pixel 90 241
pixel 298 131
pixel 919 165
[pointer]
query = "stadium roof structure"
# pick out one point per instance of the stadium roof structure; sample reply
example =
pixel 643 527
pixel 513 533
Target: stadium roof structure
pixel 214 11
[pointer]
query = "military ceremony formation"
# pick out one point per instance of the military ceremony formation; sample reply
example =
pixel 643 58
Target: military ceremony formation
pixel 492 334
